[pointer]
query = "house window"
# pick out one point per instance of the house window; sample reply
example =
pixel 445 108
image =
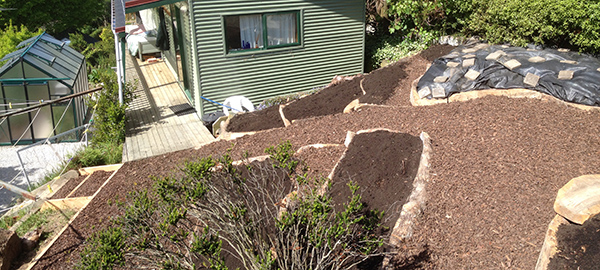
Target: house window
pixel 262 31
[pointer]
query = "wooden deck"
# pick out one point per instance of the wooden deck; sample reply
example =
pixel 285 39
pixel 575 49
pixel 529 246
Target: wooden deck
pixel 152 127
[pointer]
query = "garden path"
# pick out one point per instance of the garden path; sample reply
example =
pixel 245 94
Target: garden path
pixel 152 127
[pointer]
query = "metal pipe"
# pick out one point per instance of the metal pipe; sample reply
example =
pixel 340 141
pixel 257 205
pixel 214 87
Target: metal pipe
pixel 209 100
pixel 17 190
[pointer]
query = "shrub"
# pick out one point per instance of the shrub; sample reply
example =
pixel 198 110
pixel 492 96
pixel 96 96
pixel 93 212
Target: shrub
pixel 103 250
pixel 565 23
pixel 210 204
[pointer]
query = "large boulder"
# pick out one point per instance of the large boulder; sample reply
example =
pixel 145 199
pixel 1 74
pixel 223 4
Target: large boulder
pixel 10 248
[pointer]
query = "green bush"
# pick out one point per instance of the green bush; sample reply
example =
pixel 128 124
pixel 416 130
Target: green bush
pixel 12 35
pixel 103 250
pixel 566 23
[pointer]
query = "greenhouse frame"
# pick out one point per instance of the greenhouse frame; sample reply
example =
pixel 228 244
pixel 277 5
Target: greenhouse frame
pixel 43 68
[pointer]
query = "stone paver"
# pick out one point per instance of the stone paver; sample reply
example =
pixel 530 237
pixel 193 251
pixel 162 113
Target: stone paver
pixel 438 92
pixel 425 91
pixel 531 79
pixel 512 64
pixel 565 74
pixel 472 75
pixel 537 59
pixel 469 62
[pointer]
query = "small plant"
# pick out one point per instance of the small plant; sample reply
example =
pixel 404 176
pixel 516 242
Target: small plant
pixel 104 250
pixel 282 154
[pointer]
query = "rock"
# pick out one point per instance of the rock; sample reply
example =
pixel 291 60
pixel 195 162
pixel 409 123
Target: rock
pixel 469 56
pixel 495 55
pixel 569 62
pixel 471 50
pixel 438 92
pixel 578 200
pixel 423 92
pixel 512 64
pixel 440 79
pixel 455 64
pixel 565 74
pixel 10 248
pixel 472 75
pixel 531 79
pixel 536 59
pixel 469 62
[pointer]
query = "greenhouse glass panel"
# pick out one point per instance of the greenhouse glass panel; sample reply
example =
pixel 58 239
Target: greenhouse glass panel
pixel 19 124
pixel 68 121
pixel 14 72
pixel 59 89
pixel 42 125
pixel 33 72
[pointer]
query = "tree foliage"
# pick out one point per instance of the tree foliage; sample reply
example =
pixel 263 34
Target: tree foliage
pixel 54 15
pixel 12 36
pixel 565 23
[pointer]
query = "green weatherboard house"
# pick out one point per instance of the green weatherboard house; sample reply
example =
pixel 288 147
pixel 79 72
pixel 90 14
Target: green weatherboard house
pixel 258 49
pixel 43 68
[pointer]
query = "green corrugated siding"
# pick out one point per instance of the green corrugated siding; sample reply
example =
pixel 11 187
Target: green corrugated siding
pixel 333 44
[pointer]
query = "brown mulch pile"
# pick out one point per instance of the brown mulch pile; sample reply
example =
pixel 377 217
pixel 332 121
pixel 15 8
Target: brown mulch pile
pixel 331 100
pixel 91 185
pixel 254 121
pixel 578 246
pixel 383 164
pixel 68 187
pixel 496 167
pixel 320 161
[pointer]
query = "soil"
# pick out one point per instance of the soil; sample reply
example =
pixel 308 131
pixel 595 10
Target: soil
pixel 55 222
pixel 331 100
pixel 91 185
pixel 496 167
pixel 383 164
pixel 578 246
pixel 380 84
pixel 319 162
pixel 255 121
pixel 68 187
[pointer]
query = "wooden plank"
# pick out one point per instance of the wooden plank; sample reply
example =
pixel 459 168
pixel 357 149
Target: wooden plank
pixel 109 168
pixel 68 203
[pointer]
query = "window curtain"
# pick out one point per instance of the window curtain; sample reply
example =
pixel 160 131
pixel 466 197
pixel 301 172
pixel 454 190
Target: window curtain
pixel 281 29
pixel 251 31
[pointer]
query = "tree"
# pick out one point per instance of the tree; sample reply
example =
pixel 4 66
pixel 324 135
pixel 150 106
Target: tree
pixel 54 15
pixel 12 36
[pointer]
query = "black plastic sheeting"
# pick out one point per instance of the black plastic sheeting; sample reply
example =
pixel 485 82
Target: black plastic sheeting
pixel 582 88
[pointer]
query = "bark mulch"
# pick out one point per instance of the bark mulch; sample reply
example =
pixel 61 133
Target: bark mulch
pixel 255 121
pixel 383 164
pixel 578 246
pixel 319 162
pixel 331 100
pixel 68 187
pixel 496 167
pixel 91 185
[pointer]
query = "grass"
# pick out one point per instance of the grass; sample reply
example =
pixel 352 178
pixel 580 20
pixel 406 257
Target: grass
pixel 44 219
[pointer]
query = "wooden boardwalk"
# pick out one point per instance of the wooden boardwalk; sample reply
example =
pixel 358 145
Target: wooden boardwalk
pixel 152 127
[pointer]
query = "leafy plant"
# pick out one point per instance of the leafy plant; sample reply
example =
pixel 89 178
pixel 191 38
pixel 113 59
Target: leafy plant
pixel 282 154
pixel 104 250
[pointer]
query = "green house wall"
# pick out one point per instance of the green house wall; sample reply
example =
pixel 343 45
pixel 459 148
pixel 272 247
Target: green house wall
pixel 332 37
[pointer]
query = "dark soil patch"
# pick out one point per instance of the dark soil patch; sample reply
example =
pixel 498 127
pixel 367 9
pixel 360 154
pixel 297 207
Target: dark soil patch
pixel 320 161
pixel 254 121
pixel 383 164
pixel 578 246
pixel 92 184
pixel 380 84
pixel 68 187
pixel 331 100
pixel 435 52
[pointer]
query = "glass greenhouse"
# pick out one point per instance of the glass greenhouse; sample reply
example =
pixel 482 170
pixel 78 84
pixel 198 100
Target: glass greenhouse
pixel 43 68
